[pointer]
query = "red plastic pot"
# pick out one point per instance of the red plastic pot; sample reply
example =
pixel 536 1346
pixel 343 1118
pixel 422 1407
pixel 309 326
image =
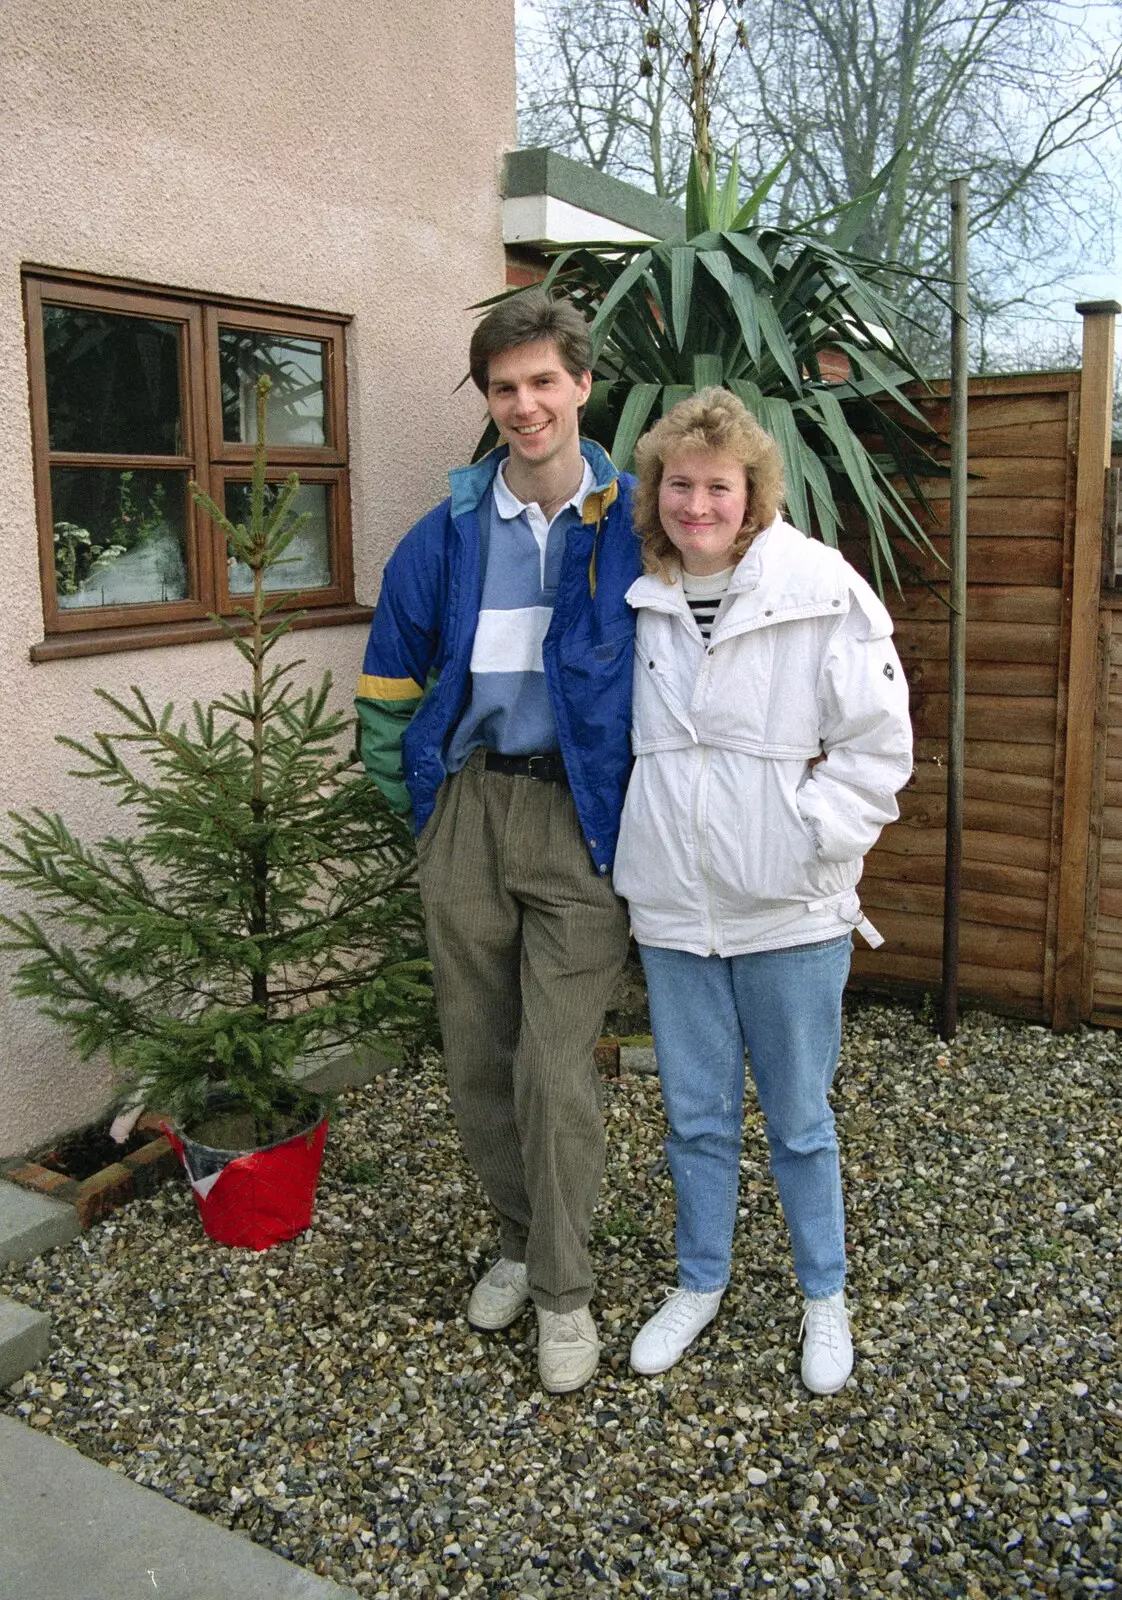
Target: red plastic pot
pixel 254 1198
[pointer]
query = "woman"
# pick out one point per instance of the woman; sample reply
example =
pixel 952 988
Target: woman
pixel 770 732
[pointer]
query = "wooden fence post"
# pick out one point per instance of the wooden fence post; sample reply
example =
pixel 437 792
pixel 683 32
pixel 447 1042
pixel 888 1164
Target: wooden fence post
pixel 1095 404
pixel 956 642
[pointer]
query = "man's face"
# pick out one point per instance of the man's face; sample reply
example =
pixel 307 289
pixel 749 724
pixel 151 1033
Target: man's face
pixel 535 402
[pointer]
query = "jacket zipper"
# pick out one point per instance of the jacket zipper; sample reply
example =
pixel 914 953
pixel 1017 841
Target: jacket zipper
pixel 703 844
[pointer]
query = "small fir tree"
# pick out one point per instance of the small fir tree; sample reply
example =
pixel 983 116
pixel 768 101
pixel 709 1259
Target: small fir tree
pixel 263 910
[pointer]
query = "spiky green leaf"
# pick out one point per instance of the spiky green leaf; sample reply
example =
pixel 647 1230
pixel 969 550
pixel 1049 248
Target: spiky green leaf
pixel 749 247
pixel 633 419
pixel 778 343
pixel 697 200
pixel 708 371
pixel 751 206
pixel 681 288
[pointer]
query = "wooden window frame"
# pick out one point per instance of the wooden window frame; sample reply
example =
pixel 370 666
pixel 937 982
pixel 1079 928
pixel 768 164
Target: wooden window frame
pixel 273 320
pixel 208 458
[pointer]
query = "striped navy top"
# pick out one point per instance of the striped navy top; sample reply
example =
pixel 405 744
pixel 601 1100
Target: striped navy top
pixel 704 595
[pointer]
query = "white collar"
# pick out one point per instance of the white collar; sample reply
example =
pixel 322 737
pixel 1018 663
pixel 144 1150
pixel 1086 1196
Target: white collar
pixel 508 505
pixel 706 587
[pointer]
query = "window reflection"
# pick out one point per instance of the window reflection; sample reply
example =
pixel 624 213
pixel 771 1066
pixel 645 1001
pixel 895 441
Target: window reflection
pixel 112 382
pixel 295 409
pixel 119 536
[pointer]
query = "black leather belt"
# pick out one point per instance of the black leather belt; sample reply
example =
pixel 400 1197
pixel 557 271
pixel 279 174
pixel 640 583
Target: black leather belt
pixel 549 768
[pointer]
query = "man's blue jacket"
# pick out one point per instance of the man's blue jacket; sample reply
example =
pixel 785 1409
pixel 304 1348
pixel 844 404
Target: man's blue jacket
pixel 416 677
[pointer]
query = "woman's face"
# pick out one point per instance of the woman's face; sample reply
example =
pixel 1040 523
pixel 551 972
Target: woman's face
pixel 702 505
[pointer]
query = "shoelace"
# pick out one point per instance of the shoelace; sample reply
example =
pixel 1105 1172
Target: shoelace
pixel 677 1311
pixel 560 1327
pixel 823 1322
pixel 505 1274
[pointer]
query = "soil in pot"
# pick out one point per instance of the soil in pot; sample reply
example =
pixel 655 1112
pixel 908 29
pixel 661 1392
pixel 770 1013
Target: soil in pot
pixel 233 1130
pixel 228 1130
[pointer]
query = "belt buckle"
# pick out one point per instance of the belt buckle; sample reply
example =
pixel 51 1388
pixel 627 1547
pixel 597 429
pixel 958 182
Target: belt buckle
pixel 544 762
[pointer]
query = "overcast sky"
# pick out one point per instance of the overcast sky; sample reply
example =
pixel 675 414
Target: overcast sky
pixel 1103 278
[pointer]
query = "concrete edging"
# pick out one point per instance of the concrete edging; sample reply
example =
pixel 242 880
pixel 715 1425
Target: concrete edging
pixel 25 1339
pixel 32 1223
pixel 69 1526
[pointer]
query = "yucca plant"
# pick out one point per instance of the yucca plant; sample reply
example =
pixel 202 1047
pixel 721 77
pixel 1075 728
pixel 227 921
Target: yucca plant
pixel 754 309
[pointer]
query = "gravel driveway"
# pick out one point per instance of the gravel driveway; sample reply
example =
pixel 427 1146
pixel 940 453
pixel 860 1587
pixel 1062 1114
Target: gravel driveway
pixel 329 1398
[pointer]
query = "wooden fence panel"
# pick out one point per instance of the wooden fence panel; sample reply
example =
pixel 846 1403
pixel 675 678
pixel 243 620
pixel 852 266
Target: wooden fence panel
pixel 982 877
pixel 1019 522
pixel 1104 900
pixel 1038 561
pixel 992 755
pixel 1008 517
pixel 996 602
pixel 988 717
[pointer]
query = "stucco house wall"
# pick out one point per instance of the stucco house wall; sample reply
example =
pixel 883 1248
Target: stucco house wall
pixel 332 154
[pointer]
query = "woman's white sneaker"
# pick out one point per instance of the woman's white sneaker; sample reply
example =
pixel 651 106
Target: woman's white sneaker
pixel 673 1328
pixel 827 1346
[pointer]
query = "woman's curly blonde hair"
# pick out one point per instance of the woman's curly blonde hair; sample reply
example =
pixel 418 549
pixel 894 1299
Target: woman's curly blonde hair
pixel 717 422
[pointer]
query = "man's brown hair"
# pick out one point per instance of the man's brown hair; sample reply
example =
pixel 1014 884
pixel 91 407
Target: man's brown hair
pixel 531 317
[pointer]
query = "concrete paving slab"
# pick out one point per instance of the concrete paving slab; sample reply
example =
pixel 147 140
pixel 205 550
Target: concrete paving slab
pixel 637 1058
pixel 73 1530
pixel 32 1223
pixel 350 1068
pixel 25 1338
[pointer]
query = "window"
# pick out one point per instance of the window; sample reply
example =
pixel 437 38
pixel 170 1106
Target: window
pixel 134 393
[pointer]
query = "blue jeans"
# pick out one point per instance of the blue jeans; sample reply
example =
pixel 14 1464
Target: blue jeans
pixel 785 1007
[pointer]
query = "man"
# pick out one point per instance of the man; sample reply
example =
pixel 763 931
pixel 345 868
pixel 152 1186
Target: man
pixel 495 704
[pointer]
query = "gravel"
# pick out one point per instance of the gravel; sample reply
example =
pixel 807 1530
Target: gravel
pixel 328 1398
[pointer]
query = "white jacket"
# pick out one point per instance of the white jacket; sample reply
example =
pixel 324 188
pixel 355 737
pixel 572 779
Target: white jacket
pixel 730 840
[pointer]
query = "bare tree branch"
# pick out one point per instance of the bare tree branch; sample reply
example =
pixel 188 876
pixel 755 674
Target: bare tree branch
pixel 1020 96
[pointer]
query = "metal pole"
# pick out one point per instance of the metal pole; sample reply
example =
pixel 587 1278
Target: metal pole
pixel 956 707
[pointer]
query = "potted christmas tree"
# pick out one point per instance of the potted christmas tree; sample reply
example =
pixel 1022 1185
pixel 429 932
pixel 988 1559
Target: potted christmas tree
pixel 261 913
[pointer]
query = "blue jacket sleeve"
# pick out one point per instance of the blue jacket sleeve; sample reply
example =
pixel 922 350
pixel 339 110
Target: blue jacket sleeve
pixel 404 641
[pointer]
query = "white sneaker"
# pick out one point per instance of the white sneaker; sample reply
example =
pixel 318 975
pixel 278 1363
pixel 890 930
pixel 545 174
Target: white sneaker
pixel 499 1296
pixel 827 1346
pixel 672 1329
pixel 568 1348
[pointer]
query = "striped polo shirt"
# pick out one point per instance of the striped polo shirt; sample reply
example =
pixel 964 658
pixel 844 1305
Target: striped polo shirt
pixel 509 707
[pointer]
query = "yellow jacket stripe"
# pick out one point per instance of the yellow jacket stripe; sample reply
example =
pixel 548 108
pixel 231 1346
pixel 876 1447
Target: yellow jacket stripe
pixel 373 688
pixel 595 509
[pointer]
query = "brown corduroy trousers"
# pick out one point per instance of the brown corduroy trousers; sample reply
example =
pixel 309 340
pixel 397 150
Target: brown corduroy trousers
pixel 527 942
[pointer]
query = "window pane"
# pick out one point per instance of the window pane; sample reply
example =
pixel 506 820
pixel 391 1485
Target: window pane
pixel 306 564
pixel 295 409
pixel 112 382
pixel 119 536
